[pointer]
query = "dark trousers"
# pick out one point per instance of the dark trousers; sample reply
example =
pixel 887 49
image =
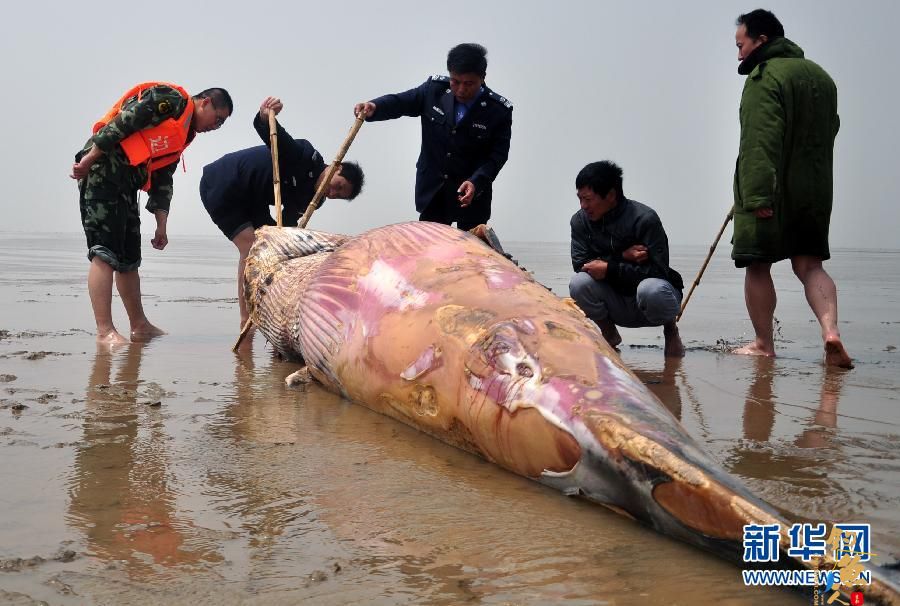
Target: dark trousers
pixel 444 208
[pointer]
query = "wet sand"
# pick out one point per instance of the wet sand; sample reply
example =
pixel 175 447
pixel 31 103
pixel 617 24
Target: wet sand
pixel 176 472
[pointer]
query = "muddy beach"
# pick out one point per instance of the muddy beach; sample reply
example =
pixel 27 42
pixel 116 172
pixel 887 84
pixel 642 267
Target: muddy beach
pixel 177 472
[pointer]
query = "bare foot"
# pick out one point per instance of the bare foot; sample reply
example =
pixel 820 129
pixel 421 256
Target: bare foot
pixel 835 354
pixel 145 332
pixel 755 349
pixel 674 348
pixel 111 338
pixel 610 332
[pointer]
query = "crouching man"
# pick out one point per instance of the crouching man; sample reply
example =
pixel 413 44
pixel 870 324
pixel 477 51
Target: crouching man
pixel 621 255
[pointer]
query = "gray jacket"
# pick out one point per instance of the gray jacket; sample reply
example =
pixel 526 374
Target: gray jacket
pixel 627 224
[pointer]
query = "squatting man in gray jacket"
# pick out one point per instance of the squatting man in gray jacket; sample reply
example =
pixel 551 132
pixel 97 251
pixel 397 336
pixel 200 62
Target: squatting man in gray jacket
pixel 621 255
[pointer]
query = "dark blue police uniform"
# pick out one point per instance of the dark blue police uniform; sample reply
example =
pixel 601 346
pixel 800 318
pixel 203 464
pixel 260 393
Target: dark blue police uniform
pixel 473 150
pixel 237 188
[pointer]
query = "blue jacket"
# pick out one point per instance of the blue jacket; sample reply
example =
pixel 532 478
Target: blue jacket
pixel 474 150
pixel 246 175
pixel 627 224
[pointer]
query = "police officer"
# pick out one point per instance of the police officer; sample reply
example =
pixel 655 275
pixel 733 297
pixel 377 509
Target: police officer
pixel 466 128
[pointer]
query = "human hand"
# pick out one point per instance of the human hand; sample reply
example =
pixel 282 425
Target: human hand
pixel 367 107
pixel 636 254
pixel 596 269
pixel 160 239
pixel 466 193
pixel 270 104
pixel 764 213
pixel 81 168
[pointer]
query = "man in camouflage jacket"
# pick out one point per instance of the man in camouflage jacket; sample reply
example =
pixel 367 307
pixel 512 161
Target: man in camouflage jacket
pixel 108 186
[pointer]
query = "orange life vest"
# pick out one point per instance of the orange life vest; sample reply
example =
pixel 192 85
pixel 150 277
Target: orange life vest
pixel 156 146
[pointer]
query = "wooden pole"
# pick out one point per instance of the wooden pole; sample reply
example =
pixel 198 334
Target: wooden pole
pixel 246 329
pixel 705 263
pixel 323 186
pixel 276 184
pixel 276 172
pixel 320 192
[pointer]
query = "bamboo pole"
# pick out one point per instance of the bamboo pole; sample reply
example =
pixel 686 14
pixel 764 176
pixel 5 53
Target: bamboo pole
pixel 320 192
pixel 712 249
pixel 276 184
pixel 276 172
pixel 246 329
pixel 323 186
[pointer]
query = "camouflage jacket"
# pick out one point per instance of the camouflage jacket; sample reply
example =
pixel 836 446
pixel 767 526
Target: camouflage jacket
pixel 112 172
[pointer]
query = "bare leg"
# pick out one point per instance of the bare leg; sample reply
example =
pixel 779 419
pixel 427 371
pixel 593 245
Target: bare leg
pixel 759 294
pixel 821 294
pixel 674 348
pixel 129 285
pixel 610 332
pixel 243 241
pixel 100 280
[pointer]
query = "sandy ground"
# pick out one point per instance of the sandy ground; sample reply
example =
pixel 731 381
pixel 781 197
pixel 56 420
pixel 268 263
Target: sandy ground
pixel 177 472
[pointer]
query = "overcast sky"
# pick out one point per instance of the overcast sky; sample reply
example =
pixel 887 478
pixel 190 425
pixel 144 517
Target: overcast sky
pixel 651 85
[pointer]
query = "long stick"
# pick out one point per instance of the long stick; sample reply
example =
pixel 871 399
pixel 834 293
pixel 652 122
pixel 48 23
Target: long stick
pixel 323 186
pixel 246 329
pixel 273 137
pixel 276 172
pixel 712 249
pixel 276 184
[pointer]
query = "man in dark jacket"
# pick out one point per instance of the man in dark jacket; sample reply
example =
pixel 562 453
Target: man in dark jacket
pixel 237 189
pixel 783 180
pixel 466 128
pixel 621 255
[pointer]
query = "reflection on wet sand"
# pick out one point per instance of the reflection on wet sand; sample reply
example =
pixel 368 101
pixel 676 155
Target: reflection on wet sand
pixel 760 410
pixel 340 504
pixel 120 495
pixel 664 383
pixel 817 435
pixel 278 487
pixel 335 510
pixel 263 412
pixel 799 469
pixel 759 407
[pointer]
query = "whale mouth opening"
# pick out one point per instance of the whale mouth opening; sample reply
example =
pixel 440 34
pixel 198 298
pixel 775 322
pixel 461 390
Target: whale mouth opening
pixel 686 492
pixel 707 509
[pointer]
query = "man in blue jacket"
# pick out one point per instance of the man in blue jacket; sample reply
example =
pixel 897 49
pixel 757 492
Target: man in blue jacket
pixel 466 128
pixel 621 255
pixel 237 189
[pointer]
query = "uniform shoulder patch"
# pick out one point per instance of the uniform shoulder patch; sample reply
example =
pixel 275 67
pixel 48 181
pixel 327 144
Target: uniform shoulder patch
pixel 501 100
pixel 439 78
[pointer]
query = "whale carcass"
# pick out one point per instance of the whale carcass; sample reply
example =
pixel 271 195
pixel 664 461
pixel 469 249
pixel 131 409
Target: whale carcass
pixel 428 325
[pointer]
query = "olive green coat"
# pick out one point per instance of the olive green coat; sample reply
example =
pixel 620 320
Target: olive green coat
pixel 789 121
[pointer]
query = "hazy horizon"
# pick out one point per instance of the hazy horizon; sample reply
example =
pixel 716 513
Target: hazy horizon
pixel 652 86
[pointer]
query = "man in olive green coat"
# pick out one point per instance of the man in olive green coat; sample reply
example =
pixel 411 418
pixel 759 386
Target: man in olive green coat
pixel 783 180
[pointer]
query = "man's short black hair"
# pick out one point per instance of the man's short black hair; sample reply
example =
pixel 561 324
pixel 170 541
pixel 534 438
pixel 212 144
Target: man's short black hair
pixel 601 177
pixel 355 177
pixel 761 23
pixel 219 98
pixel 467 58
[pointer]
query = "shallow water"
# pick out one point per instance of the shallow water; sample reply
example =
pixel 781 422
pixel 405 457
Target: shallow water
pixel 177 472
